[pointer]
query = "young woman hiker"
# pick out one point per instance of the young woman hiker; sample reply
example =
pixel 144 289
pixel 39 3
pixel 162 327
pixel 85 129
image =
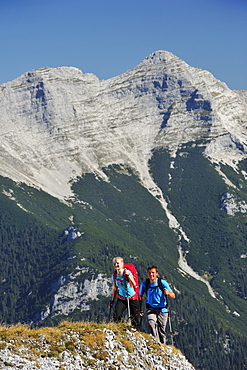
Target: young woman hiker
pixel 123 285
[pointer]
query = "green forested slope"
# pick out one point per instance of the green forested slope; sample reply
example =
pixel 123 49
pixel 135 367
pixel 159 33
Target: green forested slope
pixel 120 217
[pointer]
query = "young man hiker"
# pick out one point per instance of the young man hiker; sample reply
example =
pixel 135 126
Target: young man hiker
pixel 122 288
pixel 157 291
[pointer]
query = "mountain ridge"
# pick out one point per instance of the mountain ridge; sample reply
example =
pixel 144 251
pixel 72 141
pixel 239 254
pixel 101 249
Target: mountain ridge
pixel 86 104
pixel 66 150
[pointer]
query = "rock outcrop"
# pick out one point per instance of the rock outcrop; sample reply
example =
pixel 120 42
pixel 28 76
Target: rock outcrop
pixel 86 346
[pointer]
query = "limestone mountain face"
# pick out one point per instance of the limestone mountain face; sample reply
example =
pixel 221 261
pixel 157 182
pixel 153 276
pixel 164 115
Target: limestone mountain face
pixel 59 123
pixel 150 165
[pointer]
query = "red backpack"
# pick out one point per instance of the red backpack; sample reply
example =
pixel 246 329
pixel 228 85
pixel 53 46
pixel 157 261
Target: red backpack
pixel 132 269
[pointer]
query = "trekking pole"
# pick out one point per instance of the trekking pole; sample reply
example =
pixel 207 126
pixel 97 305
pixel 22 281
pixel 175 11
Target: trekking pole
pixel 128 303
pixel 170 326
pixel 111 304
pixel 169 319
pixel 140 311
pixel 109 316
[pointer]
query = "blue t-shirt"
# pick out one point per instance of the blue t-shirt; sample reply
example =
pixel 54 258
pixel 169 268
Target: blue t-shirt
pixel 125 289
pixel 155 296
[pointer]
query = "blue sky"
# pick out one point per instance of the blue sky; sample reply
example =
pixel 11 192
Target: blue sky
pixel 109 37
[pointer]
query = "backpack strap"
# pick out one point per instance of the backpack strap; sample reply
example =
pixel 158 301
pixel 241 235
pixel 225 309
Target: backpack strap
pixel 160 284
pixel 147 286
pixel 115 276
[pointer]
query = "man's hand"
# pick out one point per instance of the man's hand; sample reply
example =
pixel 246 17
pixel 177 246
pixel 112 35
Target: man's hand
pixel 169 294
pixel 166 292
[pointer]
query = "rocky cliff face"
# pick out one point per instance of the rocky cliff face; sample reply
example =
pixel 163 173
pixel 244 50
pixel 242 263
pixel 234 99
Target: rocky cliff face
pixel 59 123
pixel 70 295
pixel 80 346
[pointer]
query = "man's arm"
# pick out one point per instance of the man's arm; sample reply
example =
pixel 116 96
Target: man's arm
pixel 169 294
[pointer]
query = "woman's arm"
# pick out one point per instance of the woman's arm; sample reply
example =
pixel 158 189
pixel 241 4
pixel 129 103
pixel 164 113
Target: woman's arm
pixel 114 291
pixel 130 278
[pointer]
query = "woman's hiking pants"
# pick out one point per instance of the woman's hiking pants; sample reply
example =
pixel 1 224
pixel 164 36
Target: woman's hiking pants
pixel 122 305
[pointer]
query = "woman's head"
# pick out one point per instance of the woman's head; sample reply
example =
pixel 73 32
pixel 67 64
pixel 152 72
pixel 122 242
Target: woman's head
pixel 118 262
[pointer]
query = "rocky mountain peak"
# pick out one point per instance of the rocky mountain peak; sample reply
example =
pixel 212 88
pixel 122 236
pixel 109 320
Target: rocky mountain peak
pixel 163 57
pixel 58 123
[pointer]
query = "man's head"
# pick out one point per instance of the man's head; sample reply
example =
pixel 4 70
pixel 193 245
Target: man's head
pixel 153 273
